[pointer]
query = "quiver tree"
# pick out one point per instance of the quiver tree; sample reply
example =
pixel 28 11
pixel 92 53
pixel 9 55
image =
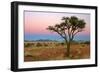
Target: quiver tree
pixel 69 27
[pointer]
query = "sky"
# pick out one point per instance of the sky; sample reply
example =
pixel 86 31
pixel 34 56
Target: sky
pixel 35 24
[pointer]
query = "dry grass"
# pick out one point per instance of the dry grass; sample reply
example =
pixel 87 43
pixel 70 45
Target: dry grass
pixel 78 51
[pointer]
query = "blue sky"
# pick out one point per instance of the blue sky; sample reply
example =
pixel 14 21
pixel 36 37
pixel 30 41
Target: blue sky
pixel 54 37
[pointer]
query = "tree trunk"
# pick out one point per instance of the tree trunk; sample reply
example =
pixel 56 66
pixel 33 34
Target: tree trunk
pixel 68 49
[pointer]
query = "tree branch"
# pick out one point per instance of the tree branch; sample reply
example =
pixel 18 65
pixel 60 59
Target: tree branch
pixel 78 31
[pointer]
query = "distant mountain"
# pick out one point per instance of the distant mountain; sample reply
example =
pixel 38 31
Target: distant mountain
pixel 48 40
pixel 41 40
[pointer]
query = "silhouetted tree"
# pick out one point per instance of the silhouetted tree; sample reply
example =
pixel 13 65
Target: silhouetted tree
pixel 69 27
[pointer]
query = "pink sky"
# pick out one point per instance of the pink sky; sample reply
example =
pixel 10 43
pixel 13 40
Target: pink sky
pixel 37 22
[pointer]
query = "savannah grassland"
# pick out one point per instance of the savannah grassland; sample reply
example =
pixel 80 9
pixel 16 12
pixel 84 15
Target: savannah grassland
pixel 44 51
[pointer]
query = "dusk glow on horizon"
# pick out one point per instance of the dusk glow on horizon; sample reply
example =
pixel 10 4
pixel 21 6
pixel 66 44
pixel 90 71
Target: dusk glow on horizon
pixel 35 24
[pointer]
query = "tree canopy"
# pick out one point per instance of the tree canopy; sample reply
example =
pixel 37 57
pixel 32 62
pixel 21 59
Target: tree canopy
pixel 69 27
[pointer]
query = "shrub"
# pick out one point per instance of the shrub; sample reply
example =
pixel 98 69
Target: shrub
pixel 87 42
pixel 62 43
pixel 38 44
pixel 57 44
pixel 83 45
pixel 45 44
pixel 26 44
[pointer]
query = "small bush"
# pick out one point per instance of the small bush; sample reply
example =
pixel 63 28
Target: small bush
pixel 28 56
pixel 28 44
pixel 83 45
pixel 62 43
pixel 57 44
pixel 87 42
pixel 38 44
pixel 45 44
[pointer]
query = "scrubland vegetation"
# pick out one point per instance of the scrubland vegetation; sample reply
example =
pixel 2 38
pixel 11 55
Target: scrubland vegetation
pixel 44 51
